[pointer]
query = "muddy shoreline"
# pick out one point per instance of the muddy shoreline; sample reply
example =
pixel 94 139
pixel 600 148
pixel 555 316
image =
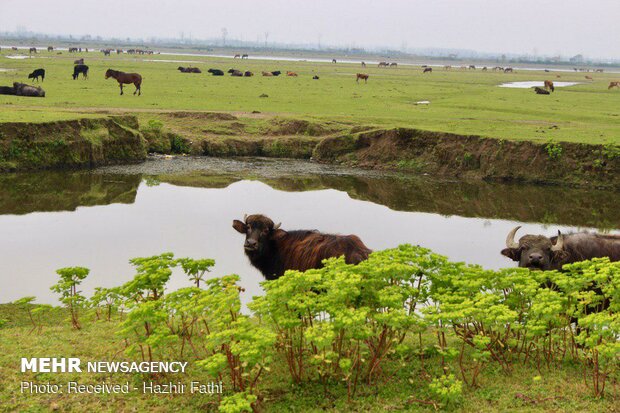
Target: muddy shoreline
pixel 88 143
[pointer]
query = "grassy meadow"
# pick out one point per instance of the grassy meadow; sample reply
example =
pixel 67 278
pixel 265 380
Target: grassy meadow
pixel 461 101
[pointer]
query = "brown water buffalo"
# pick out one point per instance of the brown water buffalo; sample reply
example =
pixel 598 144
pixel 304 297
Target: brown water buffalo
pixel 267 74
pixel 273 250
pixel 362 76
pixel 291 74
pixel 543 253
pixel 541 91
pixel 79 61
pixel 613 84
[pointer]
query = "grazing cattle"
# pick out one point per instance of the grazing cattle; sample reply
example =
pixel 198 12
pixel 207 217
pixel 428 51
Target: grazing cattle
pixel 237 56
pixel 248 74
pixel 427 70
pixel 126 78
pixel 541 91
pixel 362 76
pixel 77 69
pixel 315 77
pixel 35 75
pixel 541 253
pixel 472 67
pixel 394 64
pixel 244 56
pixel 22 89
pixel 334 61
pixel 73 50
pixel 363 64
pixel 291 74
pixel 589 77
pixel 276 73
pixel 508 69
pixel 106 52
pixel 33 50
pixel 273 251
pixel 50 48
pixel 383 64
pixel 267 73
pixel 549 85
pixel 78 61
pixel 216 72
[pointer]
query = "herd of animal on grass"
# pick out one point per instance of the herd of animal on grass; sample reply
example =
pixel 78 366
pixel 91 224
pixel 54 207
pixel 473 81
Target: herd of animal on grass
pixel 135 78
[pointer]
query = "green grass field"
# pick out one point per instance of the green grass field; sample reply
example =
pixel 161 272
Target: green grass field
pixel 525 390
pixel 462 101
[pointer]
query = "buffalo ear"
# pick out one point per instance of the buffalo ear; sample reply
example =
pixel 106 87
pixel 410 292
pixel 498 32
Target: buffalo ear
pixel 278 234
pixel 511 253
pixel 558 256
pixel 240 226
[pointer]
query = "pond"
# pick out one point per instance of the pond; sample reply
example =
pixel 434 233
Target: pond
pixel 533 83
pixel 101 218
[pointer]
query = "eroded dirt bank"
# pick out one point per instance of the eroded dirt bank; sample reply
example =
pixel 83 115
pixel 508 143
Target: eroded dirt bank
pixel 92 142
pixel 71 144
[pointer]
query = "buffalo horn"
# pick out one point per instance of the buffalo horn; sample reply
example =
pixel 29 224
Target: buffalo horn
pixel 510 239
pixel 559 244
pixel 277 226
pixel 245 217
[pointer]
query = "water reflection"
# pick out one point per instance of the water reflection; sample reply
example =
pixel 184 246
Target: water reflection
pixel 118 213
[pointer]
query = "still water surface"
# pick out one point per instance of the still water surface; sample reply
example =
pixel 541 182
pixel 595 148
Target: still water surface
pixel 100 219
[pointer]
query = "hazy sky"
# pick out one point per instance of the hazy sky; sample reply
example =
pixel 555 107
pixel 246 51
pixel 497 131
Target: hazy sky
pixel 548 27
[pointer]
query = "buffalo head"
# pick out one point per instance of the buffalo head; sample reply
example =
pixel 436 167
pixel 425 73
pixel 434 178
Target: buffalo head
pixel 535 251
pixel 259 231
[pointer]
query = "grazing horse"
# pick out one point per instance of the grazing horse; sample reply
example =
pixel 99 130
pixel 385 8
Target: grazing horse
pixel 549 85
pixel 77 69
pixel 291 74
pixel 472 67
pixel 363 64
pixel 362 76
pixel 126 78
pixel 334 61
pixel 428 70
pixel 612 84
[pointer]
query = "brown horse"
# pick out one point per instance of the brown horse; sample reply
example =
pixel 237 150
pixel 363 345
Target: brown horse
pixel 549 85
pixel 122 77
pixel 612 84
pixel 362 76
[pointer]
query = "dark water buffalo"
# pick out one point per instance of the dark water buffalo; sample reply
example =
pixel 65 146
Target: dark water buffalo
pixel 248 74
pixel 7 90
pixel 235 72
pixel 216 72
pixel 276 73
pixel 315 77
pixel 77 69
pixel 273 251
pixel 22 89
pixel 541 91
pixel 542 253
pixel 428 70
pixel 79 61
pixel 35 75
pixel 188 69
